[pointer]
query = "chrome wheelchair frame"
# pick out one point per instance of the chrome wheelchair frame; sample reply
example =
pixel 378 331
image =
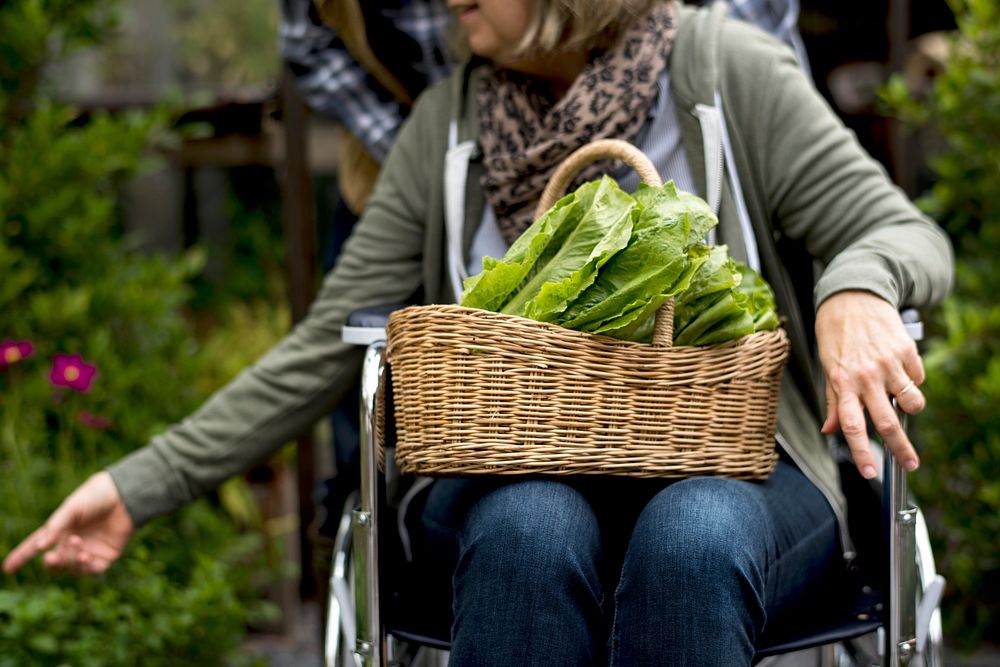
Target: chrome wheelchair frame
pixel 905 628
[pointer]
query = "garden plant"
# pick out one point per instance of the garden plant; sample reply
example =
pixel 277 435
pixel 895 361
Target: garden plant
pixel 97 353
pixel 959 482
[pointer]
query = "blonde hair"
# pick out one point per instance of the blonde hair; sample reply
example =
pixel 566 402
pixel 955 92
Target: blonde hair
pixel 566 25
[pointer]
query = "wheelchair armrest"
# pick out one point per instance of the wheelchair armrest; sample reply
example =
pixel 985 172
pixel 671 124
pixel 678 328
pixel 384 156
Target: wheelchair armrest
pixel 366 325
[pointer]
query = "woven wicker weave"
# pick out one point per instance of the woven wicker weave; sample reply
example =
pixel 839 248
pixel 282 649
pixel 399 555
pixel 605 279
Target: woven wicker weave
pixel 478 392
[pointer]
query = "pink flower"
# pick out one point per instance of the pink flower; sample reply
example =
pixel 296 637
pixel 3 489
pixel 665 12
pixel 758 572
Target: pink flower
pixel 13 351
pixel 93 421
pixel 71 371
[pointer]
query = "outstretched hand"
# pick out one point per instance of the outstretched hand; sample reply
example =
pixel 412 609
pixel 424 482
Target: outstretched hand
pixel 868 358
pixel 85 534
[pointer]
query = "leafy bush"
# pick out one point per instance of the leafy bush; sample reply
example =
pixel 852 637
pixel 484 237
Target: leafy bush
pixel 254 270
pixel 147 610
pixel 959 484
pixel 71 293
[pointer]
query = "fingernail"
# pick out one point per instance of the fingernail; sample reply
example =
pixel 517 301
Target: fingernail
pixel 911 465
pixel 868 472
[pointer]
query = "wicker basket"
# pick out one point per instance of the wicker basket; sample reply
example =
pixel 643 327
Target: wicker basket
pixel 478 392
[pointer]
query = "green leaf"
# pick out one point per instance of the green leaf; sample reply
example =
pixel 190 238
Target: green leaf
pixel 43 643
pixel 638 325
pixel 500 278
pixel 670 202
pixel 648 267
pixel 759 299
pixel 605 262
pixel 717 274
pixel 603 229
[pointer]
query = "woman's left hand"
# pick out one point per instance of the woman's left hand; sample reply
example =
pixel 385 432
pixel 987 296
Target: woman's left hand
pixel 868 358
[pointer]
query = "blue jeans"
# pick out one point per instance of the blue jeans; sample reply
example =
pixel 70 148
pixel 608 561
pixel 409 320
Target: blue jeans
pixel 624 571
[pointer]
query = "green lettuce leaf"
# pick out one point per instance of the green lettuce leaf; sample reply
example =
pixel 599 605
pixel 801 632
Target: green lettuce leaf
pixel 760 299
pixel 637 325
pixel 640 278
pixel 500 278
pixel 605 262
pixel 717 274
pixel 716 317
pixel 603 229
pixel 671 202
pixel 726 300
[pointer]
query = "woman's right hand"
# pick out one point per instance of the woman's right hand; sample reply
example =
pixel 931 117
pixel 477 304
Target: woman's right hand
pixel 85 534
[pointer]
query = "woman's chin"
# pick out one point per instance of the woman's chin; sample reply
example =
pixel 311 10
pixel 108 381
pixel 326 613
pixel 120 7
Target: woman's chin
pixel 483 47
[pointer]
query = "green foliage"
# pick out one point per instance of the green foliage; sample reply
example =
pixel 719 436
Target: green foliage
pixel 228 42
pixel 139 613
pixel 199 47
pixel 186 587
pixel 256 253
pixel 960 430
pixel 31 37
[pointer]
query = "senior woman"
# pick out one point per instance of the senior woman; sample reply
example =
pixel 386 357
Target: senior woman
pixel 691 572
pixel 585 572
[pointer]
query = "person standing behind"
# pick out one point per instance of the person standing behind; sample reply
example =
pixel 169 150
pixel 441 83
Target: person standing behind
pixel 362 64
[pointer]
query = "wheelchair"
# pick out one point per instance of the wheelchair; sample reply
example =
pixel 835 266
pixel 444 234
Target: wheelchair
pixel 382 611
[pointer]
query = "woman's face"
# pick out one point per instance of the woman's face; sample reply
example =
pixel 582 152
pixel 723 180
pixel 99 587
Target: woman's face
pixel 494 27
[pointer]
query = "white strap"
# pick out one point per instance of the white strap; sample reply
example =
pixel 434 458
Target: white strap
pixel 749 240
pixel 456 173
pixel 711 137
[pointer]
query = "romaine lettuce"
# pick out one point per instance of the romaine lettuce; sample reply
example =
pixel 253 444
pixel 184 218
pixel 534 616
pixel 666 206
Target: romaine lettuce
pixel 603 261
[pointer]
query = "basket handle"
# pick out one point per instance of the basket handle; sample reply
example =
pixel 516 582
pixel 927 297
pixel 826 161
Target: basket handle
pixel 613 149
pixel 602 149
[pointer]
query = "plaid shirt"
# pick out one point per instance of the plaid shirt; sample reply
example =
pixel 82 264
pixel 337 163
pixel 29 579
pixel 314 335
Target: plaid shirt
pixel 336 85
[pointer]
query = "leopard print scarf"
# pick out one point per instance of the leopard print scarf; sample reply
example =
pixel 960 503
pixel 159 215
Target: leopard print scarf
pixel 524 136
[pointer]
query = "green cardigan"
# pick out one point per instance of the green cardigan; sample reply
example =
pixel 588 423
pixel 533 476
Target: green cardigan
pixel 804 179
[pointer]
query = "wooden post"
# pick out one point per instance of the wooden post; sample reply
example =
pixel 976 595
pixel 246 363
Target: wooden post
pixel 900 142
pixel 298 218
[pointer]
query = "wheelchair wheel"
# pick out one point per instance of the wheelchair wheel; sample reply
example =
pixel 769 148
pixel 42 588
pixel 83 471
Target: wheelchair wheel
pixel 928 582
pixel 340 631
pixel 339 648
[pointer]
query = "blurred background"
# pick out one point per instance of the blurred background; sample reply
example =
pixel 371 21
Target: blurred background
pixel 165 194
